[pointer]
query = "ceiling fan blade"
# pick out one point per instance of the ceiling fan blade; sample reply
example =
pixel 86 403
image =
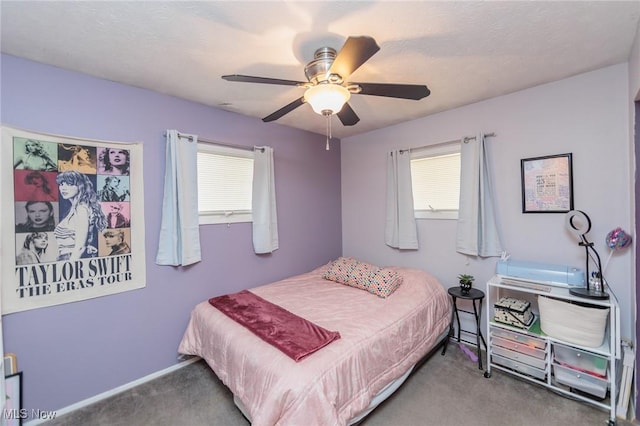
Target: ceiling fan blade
pixel 348 116
pixel 402 91
pixel 264 80
pixel 355 52
pixel 284 110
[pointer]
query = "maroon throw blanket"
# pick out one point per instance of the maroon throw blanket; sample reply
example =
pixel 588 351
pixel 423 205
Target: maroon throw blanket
pixel 293 335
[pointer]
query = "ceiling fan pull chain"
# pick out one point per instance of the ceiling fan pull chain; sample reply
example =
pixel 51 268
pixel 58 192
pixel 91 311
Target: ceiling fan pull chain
pixel 328 130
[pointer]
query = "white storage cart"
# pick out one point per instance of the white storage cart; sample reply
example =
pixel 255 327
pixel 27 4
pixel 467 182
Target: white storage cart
pixel 584 373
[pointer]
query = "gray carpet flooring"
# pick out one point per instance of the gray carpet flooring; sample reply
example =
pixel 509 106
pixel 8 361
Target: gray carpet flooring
pixel 446 390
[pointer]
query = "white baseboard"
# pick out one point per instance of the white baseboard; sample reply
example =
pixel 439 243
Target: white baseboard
pixel 117 390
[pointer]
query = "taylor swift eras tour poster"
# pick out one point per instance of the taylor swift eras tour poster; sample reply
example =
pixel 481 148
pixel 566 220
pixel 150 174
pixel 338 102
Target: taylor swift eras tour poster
pixel 72 219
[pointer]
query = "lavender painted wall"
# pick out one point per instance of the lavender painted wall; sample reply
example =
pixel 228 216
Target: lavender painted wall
pixel 72 352
pixel 637 233
pixel 587 115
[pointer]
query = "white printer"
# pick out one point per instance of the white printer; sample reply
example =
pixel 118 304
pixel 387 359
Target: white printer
pixel 543 273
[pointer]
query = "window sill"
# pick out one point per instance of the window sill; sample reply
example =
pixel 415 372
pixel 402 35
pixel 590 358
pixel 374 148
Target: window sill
pixel 438 215
pixel 224 220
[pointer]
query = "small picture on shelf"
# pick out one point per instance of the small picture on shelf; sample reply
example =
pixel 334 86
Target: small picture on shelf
pixel 10 364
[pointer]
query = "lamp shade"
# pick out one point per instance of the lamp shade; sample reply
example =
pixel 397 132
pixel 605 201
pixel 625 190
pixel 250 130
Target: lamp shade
pixel 327 97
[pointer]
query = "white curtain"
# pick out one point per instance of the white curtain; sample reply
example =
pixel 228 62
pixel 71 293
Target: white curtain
pixel 477 231
pixel 179 232
pixel 400 230
pixel 265 218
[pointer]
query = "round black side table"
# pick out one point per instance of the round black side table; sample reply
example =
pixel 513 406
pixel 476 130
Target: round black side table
pixel 476 296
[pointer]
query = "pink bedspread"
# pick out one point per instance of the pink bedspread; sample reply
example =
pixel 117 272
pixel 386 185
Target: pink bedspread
pixel 380 340
pixel 294 336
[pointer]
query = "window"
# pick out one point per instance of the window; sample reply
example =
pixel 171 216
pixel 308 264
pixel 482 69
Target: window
pixel 225 180
pixel 435 178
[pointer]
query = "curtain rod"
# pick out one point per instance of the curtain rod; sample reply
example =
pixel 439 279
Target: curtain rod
pixel 464 139
pixel 230 145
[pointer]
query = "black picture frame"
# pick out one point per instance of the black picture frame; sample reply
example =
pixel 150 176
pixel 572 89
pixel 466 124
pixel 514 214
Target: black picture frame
pixel 13 409
pixel 547 184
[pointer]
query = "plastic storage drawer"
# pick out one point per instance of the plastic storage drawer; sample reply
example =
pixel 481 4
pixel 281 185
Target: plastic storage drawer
pixel 520 368
pixel 519 347
pixel 519 337
pixel 580 360
pixel 519 357
pixel 581 381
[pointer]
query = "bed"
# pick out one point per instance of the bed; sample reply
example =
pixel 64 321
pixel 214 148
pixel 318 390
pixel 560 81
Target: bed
pixel 381 340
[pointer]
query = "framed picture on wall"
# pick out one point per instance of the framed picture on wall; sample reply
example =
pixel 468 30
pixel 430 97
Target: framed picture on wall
pixel 547 184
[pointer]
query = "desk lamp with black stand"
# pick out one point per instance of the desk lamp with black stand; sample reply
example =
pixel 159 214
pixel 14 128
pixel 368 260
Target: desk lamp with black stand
pixel 579 224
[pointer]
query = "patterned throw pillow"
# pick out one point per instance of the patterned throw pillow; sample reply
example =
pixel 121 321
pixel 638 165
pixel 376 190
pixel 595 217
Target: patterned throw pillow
pixel 354 273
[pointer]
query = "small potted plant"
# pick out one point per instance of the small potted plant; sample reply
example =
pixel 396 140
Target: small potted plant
pixel 466 281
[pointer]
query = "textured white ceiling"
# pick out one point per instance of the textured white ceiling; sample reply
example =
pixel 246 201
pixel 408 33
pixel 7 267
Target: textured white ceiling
pixel 463 51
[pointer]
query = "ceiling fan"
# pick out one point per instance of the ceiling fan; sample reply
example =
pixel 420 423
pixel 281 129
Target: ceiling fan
pixel 327 88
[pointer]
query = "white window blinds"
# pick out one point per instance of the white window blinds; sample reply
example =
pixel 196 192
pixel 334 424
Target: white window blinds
pixel 225 178
pixel 435 177
pixel 437 182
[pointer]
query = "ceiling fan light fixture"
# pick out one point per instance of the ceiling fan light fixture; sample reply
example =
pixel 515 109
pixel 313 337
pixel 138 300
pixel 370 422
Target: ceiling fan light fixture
pixel 328 89
pixel 327 97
